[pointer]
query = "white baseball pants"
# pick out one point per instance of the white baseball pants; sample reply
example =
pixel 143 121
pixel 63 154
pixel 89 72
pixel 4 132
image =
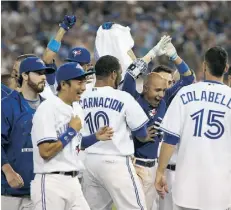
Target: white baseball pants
pixel 147 177
pixel 167 202
pixel 112 179
pixel 57 192
pixel 16 203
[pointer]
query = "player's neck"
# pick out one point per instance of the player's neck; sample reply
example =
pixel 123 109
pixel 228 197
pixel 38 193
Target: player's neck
pixel 213 78
pixel 64 98
pixel 103 83
pixel 28 93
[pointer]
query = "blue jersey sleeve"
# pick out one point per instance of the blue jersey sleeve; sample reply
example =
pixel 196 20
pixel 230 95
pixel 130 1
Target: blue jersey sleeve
pixel 171 92
pixel 6 126
pixel 129 85
pixel 5 91
pixel 87 141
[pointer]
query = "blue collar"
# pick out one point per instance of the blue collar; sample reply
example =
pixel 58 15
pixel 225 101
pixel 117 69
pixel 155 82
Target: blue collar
pixel 212 81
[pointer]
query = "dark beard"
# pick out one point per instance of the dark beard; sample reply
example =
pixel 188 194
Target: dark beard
pixel 34 86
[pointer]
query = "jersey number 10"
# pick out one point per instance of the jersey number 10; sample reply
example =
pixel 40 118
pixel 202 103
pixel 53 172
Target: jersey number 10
pixel 93 122
pixel 213 120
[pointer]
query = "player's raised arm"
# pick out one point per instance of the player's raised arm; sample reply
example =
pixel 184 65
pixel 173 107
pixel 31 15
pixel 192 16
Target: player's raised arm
pixel 55 43
pixel 140 66
pixel 187 76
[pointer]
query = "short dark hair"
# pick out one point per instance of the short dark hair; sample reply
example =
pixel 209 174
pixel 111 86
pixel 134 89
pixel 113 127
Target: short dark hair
pixel 106 65
pixel 216 59
pixel 162 68
pixel 59 85
pixel 20 79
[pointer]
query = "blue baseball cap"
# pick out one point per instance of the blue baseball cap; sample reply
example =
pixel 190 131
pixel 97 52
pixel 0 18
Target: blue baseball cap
pixel 71 71
pixel 79 54
pixel 32 64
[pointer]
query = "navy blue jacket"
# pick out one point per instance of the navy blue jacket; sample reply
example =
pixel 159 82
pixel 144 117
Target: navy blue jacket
pixel 148 150
pixel 16 144
pixel 5 91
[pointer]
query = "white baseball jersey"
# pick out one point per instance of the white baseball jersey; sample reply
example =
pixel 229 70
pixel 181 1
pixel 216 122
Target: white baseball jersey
pixel 200 115
pixel 117 109
pixel 49 122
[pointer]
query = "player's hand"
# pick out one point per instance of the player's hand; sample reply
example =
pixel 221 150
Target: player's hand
pixel 161 184
pixel 137 67
pixel 159 49
pixel 75 123
pixel 104 134
pixel 151 133
pixel 171 51
pixel 68 22
pixel 14 179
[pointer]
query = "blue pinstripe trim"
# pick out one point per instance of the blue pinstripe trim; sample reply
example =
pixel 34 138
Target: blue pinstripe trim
pixel 169 132
pixel 46 139
pixel 141 125
pixel 43 192
pixel 134 184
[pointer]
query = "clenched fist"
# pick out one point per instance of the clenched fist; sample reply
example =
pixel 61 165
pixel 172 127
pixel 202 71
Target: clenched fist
pixel 75 123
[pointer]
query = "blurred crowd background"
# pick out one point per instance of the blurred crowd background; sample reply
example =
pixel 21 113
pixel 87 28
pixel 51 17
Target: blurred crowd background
pixel 27 26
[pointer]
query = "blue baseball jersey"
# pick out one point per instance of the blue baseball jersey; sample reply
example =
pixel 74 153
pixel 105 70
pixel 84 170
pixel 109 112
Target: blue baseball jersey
pixel 16 144
pixel 148 150
pixel 5 91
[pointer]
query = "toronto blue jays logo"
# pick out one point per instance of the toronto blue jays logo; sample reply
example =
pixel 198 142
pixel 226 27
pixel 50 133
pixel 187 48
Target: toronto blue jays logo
pixel 77 52
pixel 152 112
pixel 40 61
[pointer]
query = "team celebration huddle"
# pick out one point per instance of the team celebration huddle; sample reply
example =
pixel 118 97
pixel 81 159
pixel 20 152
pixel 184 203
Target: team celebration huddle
pixel 117 134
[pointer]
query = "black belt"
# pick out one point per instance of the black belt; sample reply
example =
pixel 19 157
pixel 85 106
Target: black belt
pixel 171 167
pixel 69 173
pixel 145 163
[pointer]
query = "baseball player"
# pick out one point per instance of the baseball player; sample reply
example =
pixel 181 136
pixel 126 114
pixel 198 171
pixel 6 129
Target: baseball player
pixel 153 100
pixel 199 119
pixel 16 122
pixel 56 137
pixel 187 77
pixel 83 57
pixel 110 175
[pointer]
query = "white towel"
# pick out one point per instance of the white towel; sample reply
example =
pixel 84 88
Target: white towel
pixel 116 41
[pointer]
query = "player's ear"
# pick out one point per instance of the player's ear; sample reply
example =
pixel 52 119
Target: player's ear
pixel 25 76
pixel 226 68
pixel 114 75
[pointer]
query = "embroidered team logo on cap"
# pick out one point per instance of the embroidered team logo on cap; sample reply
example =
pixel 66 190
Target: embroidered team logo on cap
pixel 77 52
pixel 40 61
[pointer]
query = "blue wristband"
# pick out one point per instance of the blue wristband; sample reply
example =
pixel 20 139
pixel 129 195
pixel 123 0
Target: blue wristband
pixel 182 67
pixel 54 45
pixel 67 136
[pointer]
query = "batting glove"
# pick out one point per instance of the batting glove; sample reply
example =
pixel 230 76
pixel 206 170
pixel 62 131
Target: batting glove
pixel 68 22
pixel 159 49
pixel 171 51
pixel 137 67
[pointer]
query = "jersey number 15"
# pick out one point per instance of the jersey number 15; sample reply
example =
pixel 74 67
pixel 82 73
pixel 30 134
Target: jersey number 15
pixel 213 120
pixel 93 121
